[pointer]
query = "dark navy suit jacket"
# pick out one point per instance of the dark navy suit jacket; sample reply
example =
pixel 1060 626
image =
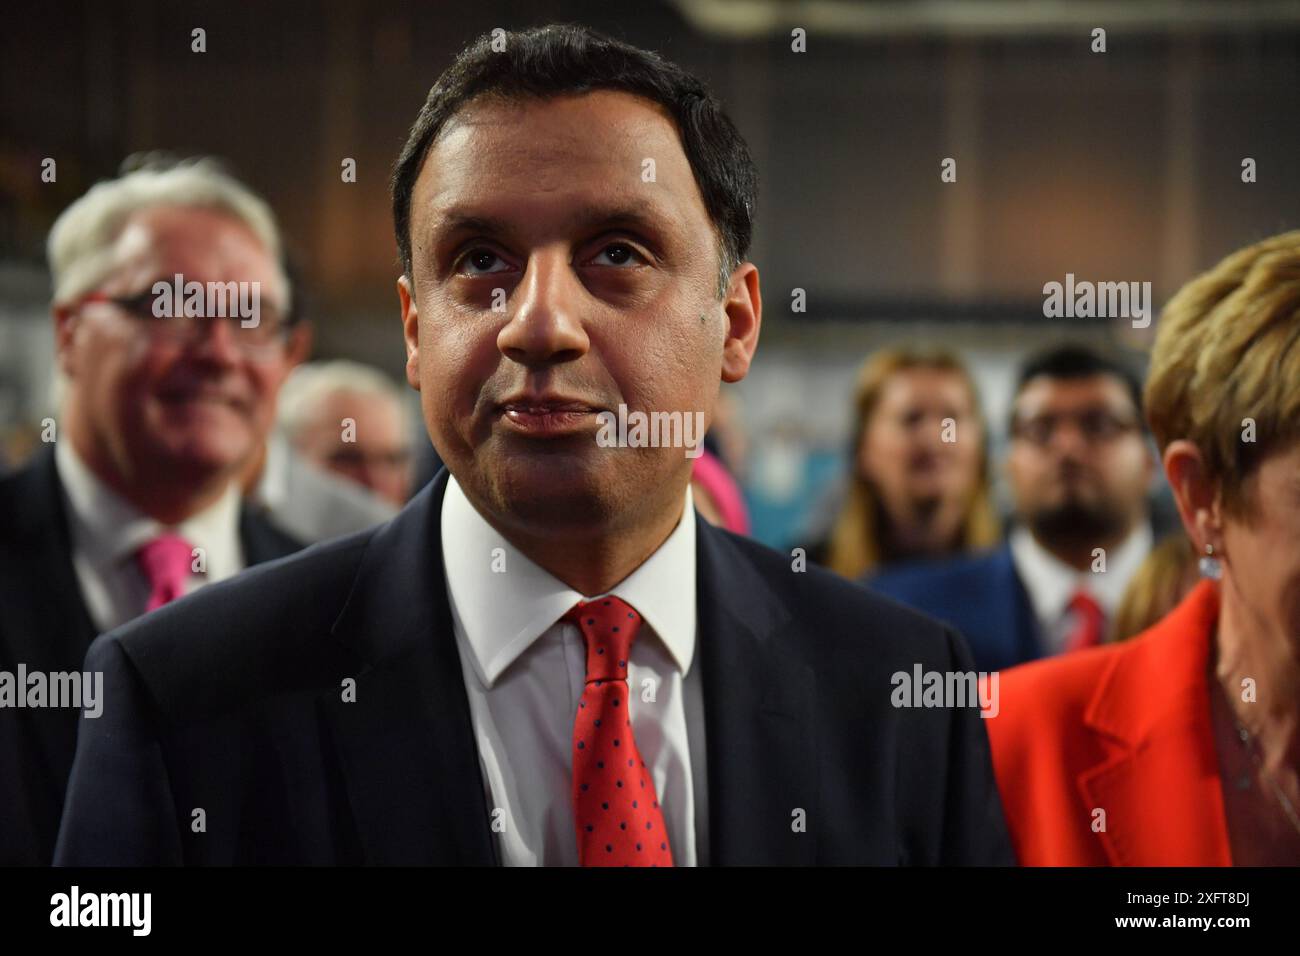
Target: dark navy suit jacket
pixel 44 624
pixel 981 595
pixel 230 701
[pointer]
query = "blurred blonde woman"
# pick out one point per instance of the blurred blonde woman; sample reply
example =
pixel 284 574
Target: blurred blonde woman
pixel 913 494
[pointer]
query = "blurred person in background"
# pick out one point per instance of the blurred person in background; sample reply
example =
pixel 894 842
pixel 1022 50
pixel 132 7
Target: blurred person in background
pixel 1080 469
pixel 137 501
pixel 351 420
pixel 1188 736
pixel 919 488
pixel 306 500
pixel 727 438
pixel 1160 584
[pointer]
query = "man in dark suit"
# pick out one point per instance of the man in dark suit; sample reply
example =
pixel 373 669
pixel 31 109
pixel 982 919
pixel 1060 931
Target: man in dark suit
pixel 1080 471
pixel 135 500
pixel 547 657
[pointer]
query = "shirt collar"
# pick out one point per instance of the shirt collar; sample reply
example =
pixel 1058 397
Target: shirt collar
pixel 109 529
pixel 499 628
pixel 1051 583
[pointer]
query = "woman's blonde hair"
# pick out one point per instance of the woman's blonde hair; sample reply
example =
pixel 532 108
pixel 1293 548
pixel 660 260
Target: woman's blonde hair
pixel 1225 368
pixel 855 545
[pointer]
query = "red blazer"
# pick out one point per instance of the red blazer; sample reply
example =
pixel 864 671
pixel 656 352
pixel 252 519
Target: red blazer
pixel 1123 728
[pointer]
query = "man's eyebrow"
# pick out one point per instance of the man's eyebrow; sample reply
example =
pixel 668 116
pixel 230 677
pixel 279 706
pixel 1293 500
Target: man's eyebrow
pixel 590 216
pixel 456 221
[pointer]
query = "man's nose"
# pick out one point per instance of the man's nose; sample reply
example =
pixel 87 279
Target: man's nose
pixel 217 340
pixel 545 327
pixel 1068 439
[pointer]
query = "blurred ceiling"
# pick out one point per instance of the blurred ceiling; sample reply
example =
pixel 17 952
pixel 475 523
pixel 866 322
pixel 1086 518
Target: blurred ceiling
pixel 749 19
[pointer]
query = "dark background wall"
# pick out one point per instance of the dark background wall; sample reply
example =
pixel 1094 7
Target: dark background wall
pixel 1117 166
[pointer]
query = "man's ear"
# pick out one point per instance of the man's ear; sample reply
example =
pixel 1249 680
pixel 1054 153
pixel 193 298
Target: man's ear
pixel 1195 494
pixel 410 330
pixel 744 310
pixel 66 319
pixel 301 337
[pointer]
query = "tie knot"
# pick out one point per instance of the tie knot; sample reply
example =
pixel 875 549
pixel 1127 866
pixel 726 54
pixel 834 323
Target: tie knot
pixel 165 560
pixel 609 627
pixel 1085 604
pixel 1090 622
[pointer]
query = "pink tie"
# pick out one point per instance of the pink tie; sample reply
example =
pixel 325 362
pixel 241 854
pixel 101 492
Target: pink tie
pixel 616 810
pixel 165 562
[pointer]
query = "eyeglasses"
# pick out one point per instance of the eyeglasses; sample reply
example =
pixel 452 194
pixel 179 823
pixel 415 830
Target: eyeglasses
pixel 260 340
pixel 1097 425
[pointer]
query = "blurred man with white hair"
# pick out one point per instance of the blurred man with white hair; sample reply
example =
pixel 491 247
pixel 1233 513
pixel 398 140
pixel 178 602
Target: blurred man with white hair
pixel 173 333
pixel 352 420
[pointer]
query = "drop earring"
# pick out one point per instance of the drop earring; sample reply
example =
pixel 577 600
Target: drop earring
pixel 1210 566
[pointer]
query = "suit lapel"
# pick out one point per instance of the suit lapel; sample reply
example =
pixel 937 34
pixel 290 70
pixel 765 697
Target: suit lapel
pixel 1163 804
pixel 261 540
pixel 49 619
pixel 762 758
pixel 1027 644
pixel 41 533
pixel 44 624
pixel 1160 786
pixel 407 745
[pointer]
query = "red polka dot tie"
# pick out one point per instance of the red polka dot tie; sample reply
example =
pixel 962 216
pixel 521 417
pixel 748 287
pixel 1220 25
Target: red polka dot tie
pixel 615 807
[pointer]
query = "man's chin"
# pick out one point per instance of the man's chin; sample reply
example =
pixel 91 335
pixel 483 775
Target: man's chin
pixel 196 456
pixel 1075 521
pixel 554 490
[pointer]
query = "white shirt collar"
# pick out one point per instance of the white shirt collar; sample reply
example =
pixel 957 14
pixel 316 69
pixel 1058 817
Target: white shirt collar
pixel 500 625
pixel 108 529
pixel 1051 583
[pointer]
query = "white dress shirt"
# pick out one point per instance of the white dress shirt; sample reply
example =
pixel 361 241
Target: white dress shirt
pixel 1051 583
pixel 525 670
pixel 107 531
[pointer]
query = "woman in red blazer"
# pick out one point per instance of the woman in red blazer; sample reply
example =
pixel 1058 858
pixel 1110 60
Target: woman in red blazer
pixel 1182 746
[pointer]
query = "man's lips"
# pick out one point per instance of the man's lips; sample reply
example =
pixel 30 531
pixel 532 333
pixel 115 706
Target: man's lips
pixel 546 416
pixel 539 408
pixel 177 398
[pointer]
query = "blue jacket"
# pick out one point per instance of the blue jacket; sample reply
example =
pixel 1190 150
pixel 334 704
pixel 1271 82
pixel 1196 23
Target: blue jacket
pixel 981 595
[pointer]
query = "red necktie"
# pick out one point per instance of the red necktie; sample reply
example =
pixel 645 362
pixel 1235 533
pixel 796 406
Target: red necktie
pixel 615 808
pixel 166 564
pixel 1090 622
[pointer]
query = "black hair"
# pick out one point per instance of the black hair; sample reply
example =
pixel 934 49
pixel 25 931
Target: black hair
pixel 1076 362
pixel 564 59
